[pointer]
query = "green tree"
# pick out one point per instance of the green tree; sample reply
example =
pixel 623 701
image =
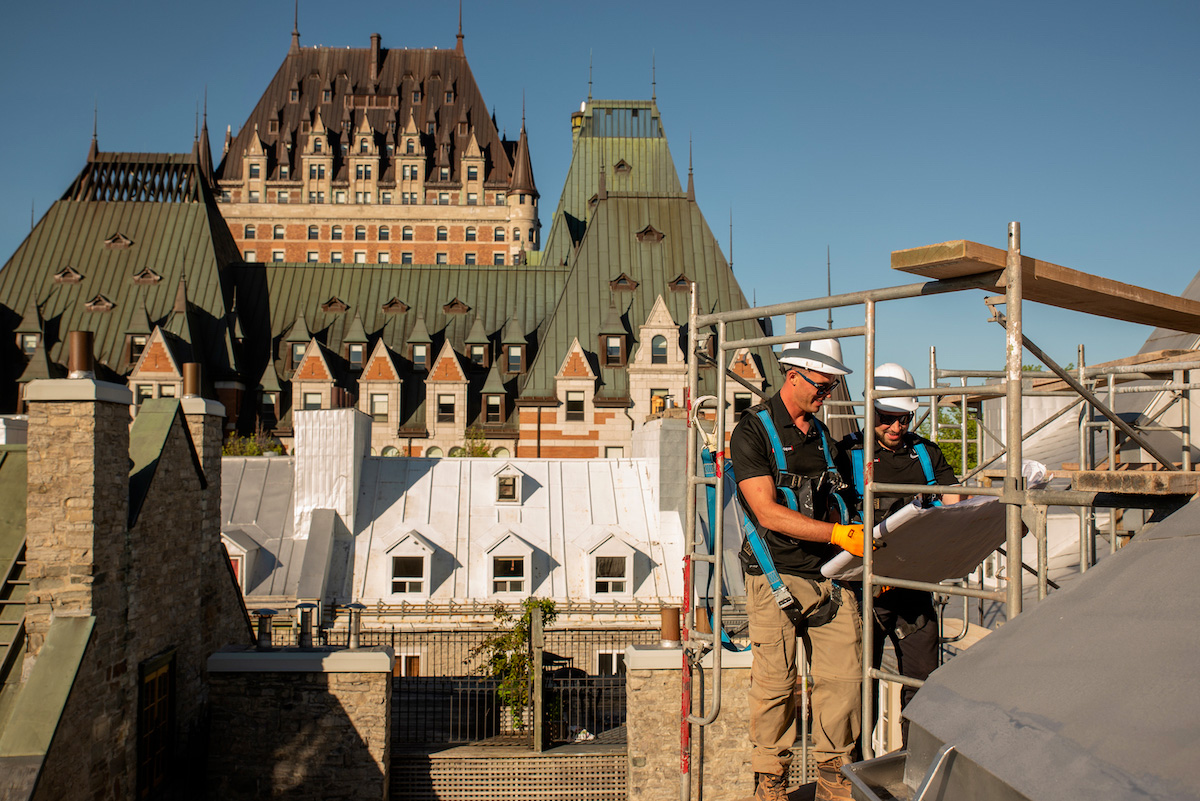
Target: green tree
pixel 949 429
pixel 507 654
pixel 475 443
pixel 257 445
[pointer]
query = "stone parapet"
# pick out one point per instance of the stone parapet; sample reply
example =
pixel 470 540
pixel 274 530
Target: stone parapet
pixel 312 724
pixel 654 683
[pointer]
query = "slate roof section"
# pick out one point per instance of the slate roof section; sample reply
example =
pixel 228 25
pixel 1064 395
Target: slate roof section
pixel 179 240
pixel 148 437
pixel 346 73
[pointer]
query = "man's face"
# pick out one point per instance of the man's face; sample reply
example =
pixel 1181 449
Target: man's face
pixel 890 428
pixel 810 388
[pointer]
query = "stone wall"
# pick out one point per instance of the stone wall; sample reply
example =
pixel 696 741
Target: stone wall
pixel 160 591
pixel 301 724
pixel 654 691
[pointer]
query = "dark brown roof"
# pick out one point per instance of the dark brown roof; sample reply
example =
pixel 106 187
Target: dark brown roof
pixel 347 75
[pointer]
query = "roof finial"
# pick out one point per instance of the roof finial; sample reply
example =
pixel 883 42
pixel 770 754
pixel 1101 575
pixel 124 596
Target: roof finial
pixel 196 129
pixel 459 39
pixel 94 148
pixel 522 109
pixel 653 79
pixel 589 76
pixel 295 48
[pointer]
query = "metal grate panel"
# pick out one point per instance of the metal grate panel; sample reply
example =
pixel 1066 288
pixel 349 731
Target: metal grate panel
pixel 579 777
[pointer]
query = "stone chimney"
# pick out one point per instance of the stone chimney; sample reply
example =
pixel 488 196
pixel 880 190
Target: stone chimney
pixel 375 40
pixel 206 425
pixel 77 506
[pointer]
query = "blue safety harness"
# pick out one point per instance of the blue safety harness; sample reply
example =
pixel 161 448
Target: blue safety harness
pixel 786 484
pixel 918 447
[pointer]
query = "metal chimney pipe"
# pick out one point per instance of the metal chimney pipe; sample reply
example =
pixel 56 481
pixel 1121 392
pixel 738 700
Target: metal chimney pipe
pixel 356 611
pixel 80 363
pixel 264 628
pixel 191 380
pixel 306 613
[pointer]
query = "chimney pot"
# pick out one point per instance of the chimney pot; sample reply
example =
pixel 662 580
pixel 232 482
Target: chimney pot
pixel 355 626
pixel 670 626
pixel 306 612
pixel 264 628
pixel 191 380
pixel 79 358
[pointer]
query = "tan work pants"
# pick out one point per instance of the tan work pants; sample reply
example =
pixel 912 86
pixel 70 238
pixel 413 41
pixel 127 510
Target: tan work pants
pixel 835 657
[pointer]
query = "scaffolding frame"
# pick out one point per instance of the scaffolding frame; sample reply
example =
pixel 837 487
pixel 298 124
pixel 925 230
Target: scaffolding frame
pixel 1020 501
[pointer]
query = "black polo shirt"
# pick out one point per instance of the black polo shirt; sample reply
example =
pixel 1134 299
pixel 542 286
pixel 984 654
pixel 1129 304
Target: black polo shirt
pixel 901 466
pixel 750 451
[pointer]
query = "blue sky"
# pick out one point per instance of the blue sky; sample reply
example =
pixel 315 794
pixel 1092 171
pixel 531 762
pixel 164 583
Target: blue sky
pixel 865 127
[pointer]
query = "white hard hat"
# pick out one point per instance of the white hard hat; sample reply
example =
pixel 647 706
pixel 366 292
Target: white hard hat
pixel 893 376
pixel 822 355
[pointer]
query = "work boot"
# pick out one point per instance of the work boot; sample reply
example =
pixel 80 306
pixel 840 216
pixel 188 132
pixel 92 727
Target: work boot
pixel 831 784
pixel 770 787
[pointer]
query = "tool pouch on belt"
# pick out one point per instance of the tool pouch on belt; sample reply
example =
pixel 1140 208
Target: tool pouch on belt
pixel 818 617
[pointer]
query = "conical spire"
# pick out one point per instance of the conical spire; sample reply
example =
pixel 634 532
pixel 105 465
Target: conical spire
pixel 522 175
pixel 295 48
pixel 206 165
pixel 458 47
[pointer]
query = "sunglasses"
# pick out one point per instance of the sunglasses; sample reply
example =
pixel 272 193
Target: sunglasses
pixel 885 419
pixel 823 390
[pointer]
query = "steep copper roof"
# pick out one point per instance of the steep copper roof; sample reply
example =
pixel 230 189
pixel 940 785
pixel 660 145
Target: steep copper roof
pixel 387 86
pixel 522 177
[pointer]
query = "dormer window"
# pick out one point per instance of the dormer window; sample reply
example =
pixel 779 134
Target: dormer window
pixel 508 485
pixel 658 350
pixel 137 346
pixel 316 145
pixel 408 147
pixel 420 356
pixel 407 574
pixel 255 171
pixel 515 359
pixel 28 343
pixel 508 574
pixel 363 146
pixel 354 353
pixel 614 350
pixel 611 574
pixel 478 354
pixel 297 353
pixel 493 409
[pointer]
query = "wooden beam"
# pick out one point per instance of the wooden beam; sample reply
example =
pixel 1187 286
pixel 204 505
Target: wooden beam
pixel 1052 285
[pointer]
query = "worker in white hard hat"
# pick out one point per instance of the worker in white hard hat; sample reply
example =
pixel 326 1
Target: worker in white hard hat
pixel 799 541
pixel 905 617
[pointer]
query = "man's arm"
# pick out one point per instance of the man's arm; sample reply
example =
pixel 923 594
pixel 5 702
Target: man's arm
pixel 759 494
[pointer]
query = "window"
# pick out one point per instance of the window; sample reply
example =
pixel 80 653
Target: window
pixel 255 171
pixel 362 197
pixel 272 126
pixel 383 257
pixel 297 353
pixel 516 358
pixel 362 171
pixel 658 350
pixel 412 199
pixel 316 171
pixel 390 450
pixel 249 255
pixel 508 574
pixel 336 234
pixel 420 356
pixel 471 233
pixel 142 392
pixel 445 408
pixel 506 488
pixel 444 173
pixel 282 196
pixel 443 258
pixel 313 232
pixel 312 400
pixel 575 405
pixel 498 235
pixel 276 256
pixel 283 172
pixel 408 573
pixel 406 234
pixel 406 257
pixel 500 199
pixel 495 409
pixel 610 574
pixel 443 198
pixel 137 345
pixel 443 233
pixel 277 232
pixel 385 198
pixel 312 257
pixel 498 258
pixel 326 96
pixel 335 257
pixel 478 354
pixel 155 724
pixel 530 238
pixel 521 199
pixel 614 452
pixel 408 145
pixel 317 149
pixel 610 663
pixel 166 391
pixel 360 233
pixel 364 147
pixel 379 408
pixel 294 95
pixel 468 258
pixel 741 402
pixel 339 197
pixel 472 198
pixel 385 233
pixel 612 350
pixel 316 197
pixel 433 453
pixel 248 232
pixel 472 173
pixel 516 234
pixel 449 96
pixel 360 257
pixel 416 98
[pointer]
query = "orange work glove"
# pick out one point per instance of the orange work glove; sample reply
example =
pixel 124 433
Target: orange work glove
pixel 848 538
